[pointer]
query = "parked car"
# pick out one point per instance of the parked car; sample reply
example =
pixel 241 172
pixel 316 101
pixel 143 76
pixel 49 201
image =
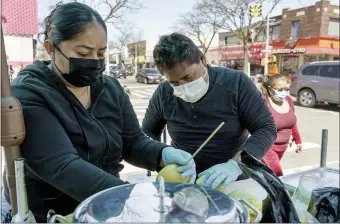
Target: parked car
pixel 317 82
pixel 149 75
pixel 118 71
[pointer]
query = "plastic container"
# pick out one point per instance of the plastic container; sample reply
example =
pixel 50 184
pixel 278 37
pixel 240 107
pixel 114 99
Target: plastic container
pixel 303 193
pixel 330 175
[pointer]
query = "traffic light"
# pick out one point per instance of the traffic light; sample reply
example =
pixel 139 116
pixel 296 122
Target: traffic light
pixel 252 11
pixel 258 7
pixel 255 10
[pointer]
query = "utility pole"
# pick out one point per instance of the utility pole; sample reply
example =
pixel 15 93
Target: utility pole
pixel 254 11
pixel 136 57
pixel 267 50
pixel 108 59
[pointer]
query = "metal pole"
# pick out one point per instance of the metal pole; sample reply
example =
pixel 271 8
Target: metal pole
pixel 136 57
pixel 12 127
pixel 164 136
pixel 24 215
pixel 21 187
pixel 324 143
pixel 267 43
pixel 108 59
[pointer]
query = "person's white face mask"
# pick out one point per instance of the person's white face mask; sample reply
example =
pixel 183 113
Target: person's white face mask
pixel 193 91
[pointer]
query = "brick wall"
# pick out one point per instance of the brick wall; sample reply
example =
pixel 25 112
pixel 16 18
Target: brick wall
pixel 313 19
pixel 329 11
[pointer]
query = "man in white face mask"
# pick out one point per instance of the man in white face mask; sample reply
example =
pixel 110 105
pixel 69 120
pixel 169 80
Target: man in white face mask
pixel 195 99
pixel 193 91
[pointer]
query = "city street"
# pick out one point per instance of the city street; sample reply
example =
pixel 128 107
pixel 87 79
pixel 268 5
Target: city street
pixel 310 123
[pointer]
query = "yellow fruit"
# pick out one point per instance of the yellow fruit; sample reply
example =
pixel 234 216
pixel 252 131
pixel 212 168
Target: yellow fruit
pixel 68 217
pixel 243 194
pixel 200 182
pixel 170 174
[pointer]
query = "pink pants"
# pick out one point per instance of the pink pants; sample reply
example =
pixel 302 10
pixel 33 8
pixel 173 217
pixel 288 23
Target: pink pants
pixel 272 160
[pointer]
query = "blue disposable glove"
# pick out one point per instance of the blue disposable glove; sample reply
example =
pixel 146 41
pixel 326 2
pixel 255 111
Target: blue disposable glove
pixel 171 155
pixel 224 173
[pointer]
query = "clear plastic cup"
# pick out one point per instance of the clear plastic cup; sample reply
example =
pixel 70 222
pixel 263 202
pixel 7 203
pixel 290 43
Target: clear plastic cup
pixel 303 193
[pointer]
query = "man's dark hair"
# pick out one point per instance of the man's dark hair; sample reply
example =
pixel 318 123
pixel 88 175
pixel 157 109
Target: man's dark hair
pixel 173 49
pixel 67 21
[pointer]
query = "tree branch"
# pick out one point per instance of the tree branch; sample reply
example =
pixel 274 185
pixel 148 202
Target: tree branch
pixel 201 24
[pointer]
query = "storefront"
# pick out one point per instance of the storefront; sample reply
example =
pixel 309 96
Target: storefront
pixel 233 56
pixel 20 27
pixel 293 53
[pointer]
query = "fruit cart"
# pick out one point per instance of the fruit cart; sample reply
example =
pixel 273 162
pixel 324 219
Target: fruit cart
pixel 152 202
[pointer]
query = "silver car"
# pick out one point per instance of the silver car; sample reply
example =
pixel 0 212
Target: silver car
pixel 317 82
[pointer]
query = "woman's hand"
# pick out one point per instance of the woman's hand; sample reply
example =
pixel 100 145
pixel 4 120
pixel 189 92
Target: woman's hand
pixel 187 168
pixel 298 148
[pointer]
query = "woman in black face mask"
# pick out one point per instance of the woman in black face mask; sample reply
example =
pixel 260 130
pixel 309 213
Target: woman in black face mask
pixel 80 124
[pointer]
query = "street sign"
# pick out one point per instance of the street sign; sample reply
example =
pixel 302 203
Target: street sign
pixel 267 51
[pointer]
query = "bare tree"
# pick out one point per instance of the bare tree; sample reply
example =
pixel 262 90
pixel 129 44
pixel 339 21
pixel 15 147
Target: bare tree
pixel 113 11
pixel 200 24
pixel 124 37
pixel 238 20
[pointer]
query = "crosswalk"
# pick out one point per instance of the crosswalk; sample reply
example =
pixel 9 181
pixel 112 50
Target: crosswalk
pixel 142 94
pixel 140 97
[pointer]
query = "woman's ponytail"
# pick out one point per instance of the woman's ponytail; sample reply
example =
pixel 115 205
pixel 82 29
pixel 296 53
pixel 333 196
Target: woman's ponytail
pixel 265 86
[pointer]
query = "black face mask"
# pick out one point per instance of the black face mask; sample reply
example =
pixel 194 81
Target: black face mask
pixel 82 72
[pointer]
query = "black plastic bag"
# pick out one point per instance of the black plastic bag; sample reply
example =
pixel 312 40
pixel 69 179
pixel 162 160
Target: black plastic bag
pixel 324 204
pixel 278 206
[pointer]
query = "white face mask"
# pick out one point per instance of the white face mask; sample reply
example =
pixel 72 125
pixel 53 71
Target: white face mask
pixel 193 91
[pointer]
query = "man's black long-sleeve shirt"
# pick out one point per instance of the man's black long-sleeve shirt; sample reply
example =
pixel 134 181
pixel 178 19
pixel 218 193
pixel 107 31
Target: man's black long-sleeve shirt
pixel 233 98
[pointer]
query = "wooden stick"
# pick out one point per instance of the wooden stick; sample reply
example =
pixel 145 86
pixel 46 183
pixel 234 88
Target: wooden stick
pixel 206 141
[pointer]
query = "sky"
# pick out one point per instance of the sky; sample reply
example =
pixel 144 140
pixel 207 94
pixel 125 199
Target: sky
pixel 159 16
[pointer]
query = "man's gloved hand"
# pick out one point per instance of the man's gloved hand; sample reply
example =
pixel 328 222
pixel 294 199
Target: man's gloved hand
pixel 224 173
pixel 171 155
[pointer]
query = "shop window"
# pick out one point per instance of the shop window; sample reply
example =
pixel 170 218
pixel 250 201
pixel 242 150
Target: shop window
pixel 226 41
pixel 333 27
pixel 295 29
pixel 310 58
pixel 290 65
pixel 274 32
pixel 330 71
pixel 323 57
pixel 311 70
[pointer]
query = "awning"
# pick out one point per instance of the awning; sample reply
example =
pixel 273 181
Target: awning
pixel 236 52
pixel 322 50
pixel 307 46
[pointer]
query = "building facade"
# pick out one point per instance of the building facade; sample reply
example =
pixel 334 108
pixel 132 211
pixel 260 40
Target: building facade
pixel 231 52
pixel 20 25
pixel 306 35
pixel 296 37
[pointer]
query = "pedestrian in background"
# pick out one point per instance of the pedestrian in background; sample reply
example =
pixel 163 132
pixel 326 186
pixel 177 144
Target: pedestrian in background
pixel 275 92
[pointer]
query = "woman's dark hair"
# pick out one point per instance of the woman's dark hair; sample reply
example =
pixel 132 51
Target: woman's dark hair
pixel 269 81
pixel 173 49
pixel 67 21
